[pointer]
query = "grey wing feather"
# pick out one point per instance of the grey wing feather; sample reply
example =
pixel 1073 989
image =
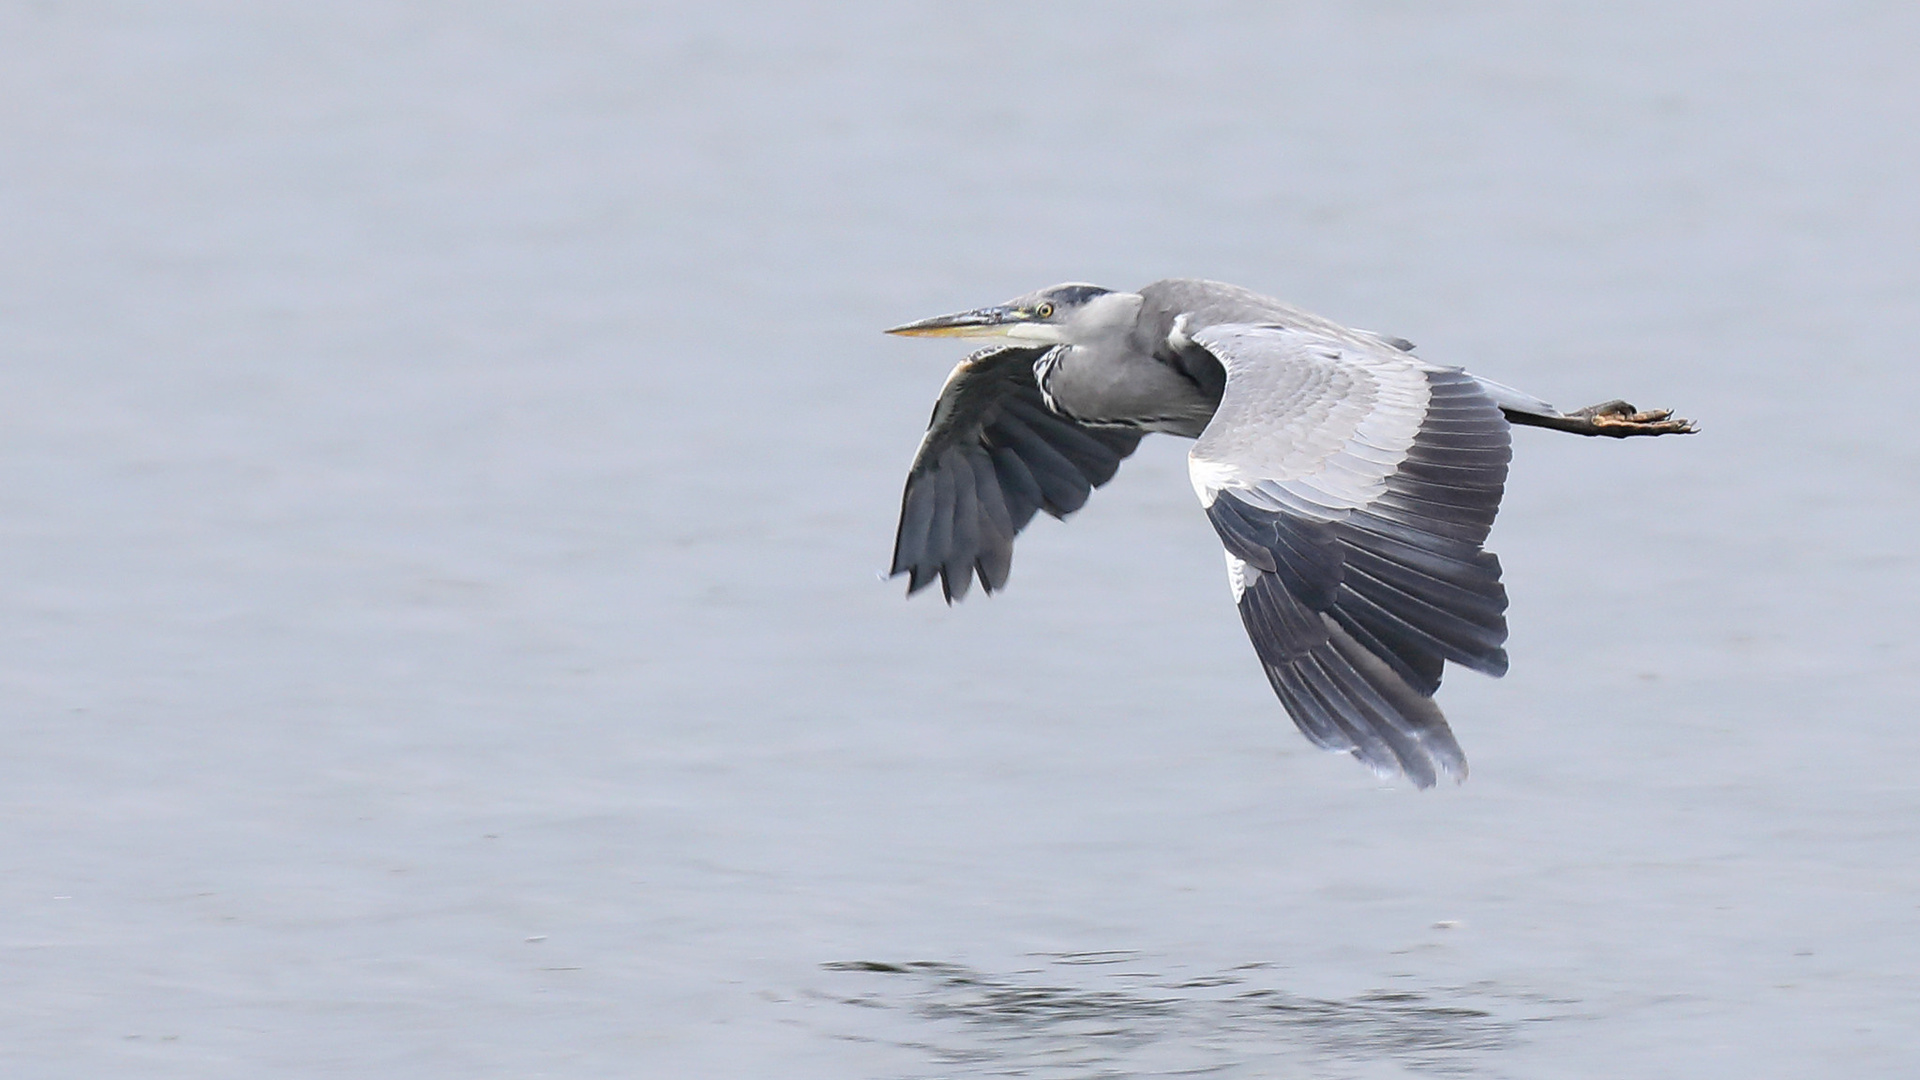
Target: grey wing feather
pixel 993 456
pixel 1353 490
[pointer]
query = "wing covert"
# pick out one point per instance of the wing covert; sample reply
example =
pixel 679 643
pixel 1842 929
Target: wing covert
pixel 993 456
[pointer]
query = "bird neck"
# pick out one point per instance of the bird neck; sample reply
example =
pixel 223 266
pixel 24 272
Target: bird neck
pixel 1103 321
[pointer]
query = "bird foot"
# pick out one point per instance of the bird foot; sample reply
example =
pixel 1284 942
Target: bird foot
pixel 1620 420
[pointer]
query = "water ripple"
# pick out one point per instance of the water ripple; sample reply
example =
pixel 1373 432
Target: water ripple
pixel 1108 1015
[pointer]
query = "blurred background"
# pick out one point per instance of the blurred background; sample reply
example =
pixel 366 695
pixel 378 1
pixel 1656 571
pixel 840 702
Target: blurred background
pixel 448 459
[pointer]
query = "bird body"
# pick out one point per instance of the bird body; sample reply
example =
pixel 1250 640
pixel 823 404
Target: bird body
pixel 1351 483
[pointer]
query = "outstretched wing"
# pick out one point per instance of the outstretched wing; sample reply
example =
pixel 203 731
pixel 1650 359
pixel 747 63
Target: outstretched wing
pixel 993 455
pixel 1353 488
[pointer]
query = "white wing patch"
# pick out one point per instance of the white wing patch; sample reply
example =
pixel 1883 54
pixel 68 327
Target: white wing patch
pixel 1238 574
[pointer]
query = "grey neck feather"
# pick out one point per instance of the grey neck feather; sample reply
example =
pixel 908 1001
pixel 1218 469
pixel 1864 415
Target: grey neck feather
pixel 1107 318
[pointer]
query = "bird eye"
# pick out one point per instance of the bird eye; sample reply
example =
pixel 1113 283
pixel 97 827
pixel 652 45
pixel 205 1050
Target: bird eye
pixel 1044 311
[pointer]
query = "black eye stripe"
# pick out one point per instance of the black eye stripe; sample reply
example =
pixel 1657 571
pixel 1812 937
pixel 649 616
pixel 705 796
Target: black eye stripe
pixel 1078 294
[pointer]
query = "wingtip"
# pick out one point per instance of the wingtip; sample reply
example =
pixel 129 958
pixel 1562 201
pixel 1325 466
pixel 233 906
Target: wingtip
pixel 1423 775
pixel 916 580
pixel 953 590
pixel 919 579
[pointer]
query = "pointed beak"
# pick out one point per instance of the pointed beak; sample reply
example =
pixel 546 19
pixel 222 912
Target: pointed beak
pixel 978 323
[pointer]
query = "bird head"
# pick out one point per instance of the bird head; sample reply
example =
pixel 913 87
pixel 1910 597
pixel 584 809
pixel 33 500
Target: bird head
pixel 1059 314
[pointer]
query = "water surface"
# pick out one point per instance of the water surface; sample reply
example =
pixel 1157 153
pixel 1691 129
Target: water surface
pixel 447 456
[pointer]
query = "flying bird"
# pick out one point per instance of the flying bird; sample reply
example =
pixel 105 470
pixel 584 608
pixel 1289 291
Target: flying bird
pixel 1351 483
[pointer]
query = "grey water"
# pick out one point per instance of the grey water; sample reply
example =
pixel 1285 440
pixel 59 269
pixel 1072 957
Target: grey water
pixel 448 459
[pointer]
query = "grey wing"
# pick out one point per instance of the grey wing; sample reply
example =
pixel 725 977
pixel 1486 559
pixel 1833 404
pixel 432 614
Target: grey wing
pixel 993 455
pixel 1353 488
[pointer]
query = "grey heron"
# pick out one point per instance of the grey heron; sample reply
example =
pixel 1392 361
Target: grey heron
pixel 1351 483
